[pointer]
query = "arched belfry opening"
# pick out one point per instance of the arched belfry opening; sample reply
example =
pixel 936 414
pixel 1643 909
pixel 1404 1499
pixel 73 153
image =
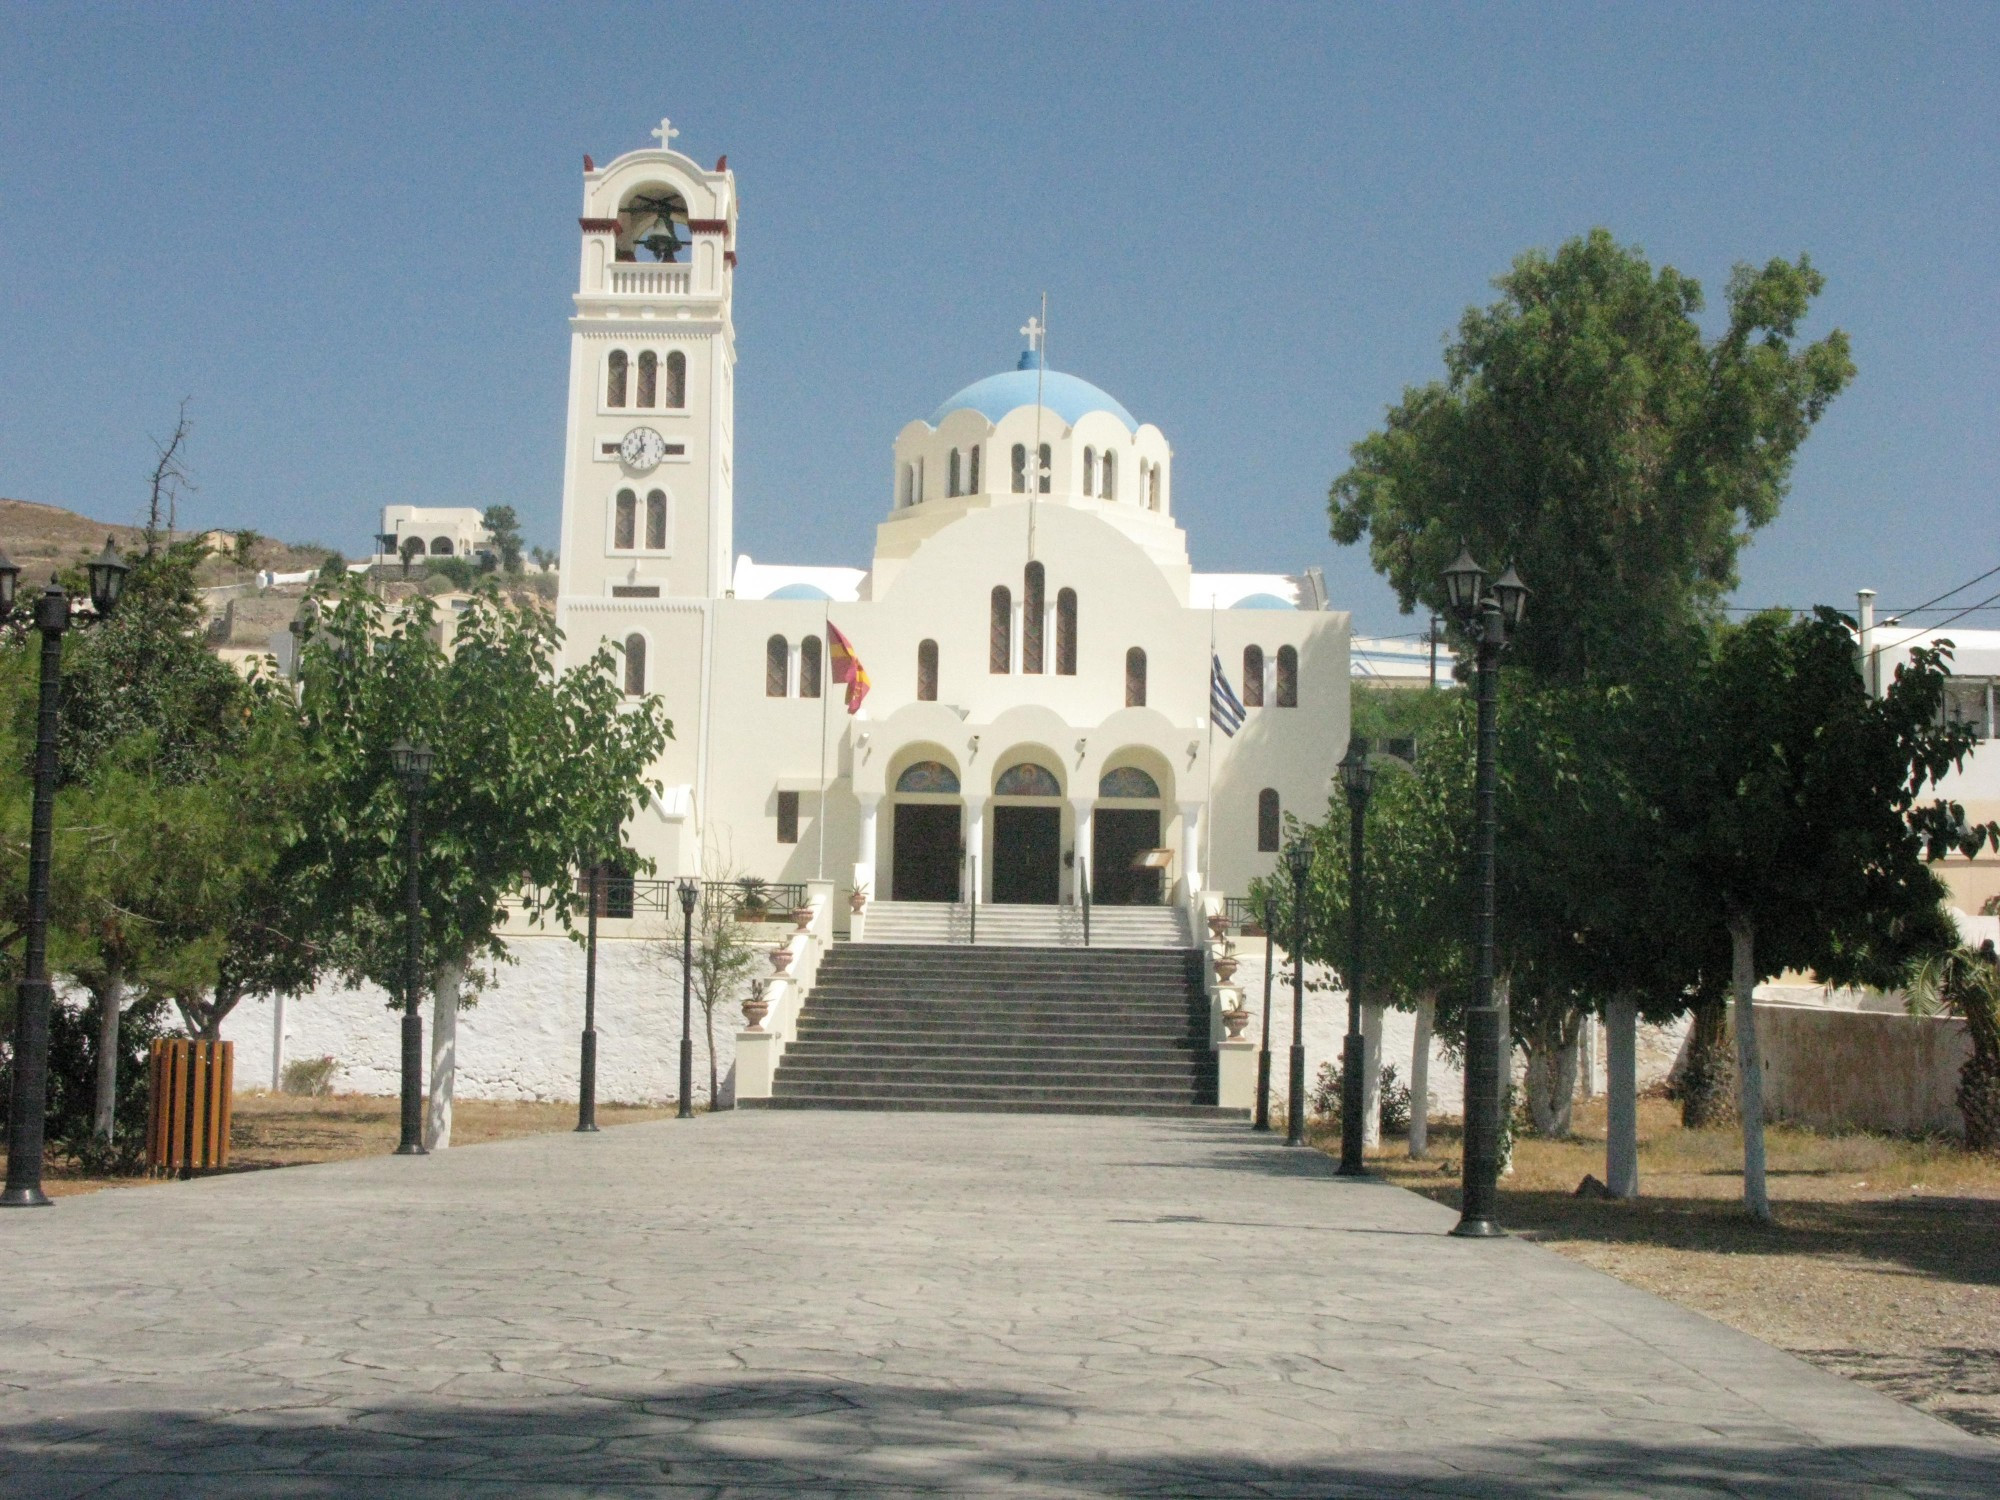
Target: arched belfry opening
pixel 652 224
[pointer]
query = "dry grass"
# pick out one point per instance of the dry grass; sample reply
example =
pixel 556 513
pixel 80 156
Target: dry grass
pixel 1883 1265
pixel 284 1130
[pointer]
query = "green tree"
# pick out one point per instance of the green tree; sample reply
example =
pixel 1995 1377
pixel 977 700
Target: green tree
pixel 1965 982
pixel 726 955
pixel 505 529
pixel 532 765
pixel 1587 432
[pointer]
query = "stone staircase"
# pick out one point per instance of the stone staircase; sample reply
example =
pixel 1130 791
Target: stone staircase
pixel 903 923
pixel 1014 1029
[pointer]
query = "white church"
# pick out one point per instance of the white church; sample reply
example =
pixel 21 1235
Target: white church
pixel 1036 642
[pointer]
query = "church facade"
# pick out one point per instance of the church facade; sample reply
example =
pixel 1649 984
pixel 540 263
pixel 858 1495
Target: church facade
pixel 1041 708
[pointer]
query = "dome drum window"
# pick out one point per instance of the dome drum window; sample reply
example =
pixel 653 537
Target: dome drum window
pixel 927 671
pixel 1287 675
pixel 1033 591
pixel 1135 678
pixel 1253 676
pixel 809 667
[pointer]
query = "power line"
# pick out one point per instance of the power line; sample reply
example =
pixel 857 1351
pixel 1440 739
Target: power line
pixel 1949 592
pixel 1933 629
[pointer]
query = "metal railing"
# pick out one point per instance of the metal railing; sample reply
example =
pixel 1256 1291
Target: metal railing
pixel 1243 913
pixel 628 895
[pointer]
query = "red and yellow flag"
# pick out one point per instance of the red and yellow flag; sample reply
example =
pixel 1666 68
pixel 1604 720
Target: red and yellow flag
pixel 847 667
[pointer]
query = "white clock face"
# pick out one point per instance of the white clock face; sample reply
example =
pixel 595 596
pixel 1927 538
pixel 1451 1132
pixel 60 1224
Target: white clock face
pixel 643 448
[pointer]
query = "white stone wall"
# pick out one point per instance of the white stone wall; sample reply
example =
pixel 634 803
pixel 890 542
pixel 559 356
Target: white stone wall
pixel 520 1041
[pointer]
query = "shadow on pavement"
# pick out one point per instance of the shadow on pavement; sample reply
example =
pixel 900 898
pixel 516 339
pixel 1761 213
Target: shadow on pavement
pixel 788 1436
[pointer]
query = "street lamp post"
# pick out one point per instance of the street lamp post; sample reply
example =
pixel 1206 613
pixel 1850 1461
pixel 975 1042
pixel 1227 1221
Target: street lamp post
pixel 1298 859
pixel 28 1103
pixel 690 893
pixel 1264 1047
pixel 586 1084
pixel 412 763
pixel 1357 779
pixel 1486 616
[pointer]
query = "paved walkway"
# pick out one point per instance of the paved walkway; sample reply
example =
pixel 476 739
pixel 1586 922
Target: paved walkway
pixel 769 1304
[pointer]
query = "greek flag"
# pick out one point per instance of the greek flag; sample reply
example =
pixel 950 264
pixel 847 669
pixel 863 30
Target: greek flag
pixel 1223 704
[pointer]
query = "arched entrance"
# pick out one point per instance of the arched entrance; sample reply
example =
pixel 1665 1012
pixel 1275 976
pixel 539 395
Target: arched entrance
pixel 925 839
pixel 1125 826
pixel 1027 835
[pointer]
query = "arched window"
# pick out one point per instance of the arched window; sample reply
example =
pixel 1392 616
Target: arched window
pixel 1153 491
pixel 1109 488
pixel 927 671
pixel 777 666
pixel 1135 678
pixel 1269 823
pixel 1090 471
pixel 441 547
pixel 1127 782
pixel 635 666
pixel 656 520
pixel 1045 456
pixel 951 474
pixel 929 777
pixel 972 472
pixel 1000 635
pixel 677 379
pixel 649 379
pixel 614 379
pixel 625 532
pixel 1034 591
pixel 1066 633
pixel 1020 468
pixel 809 667
pixel 1288 677
pixel 1253 676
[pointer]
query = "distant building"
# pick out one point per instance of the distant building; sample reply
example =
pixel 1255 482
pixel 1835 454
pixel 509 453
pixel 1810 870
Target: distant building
pixel 432 531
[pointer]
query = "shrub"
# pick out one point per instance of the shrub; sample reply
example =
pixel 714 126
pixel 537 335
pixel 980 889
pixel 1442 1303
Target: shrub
pixel 310 1076
pixel 1392 1107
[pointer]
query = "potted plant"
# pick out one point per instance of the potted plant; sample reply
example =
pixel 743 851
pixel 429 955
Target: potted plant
pixel 857 899
pixel 1234 1021
pixel 1218 924
pixel 755 1006
pixel 752 901
pixel 802 916
pixel 781 960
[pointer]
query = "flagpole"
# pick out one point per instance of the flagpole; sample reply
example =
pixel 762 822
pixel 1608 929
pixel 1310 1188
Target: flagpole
pixel 825 692
pixel 1208 799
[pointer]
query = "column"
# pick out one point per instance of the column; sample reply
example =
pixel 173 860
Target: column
pixel 1083 809
pixel 864 864
pixel 975 846
pixel 1191 846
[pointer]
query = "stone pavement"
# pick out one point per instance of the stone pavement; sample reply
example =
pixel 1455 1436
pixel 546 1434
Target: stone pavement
pixel 767 1304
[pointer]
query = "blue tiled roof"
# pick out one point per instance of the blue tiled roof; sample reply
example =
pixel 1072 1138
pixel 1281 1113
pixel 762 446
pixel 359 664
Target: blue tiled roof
pixel 1065 395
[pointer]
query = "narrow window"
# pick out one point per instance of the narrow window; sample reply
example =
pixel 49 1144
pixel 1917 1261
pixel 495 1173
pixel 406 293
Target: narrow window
pixel 927 671
pixel 909 496
pixel 656 520
pixel 649 379
pixel 1045 468
pixel 1066 633
pixel 1089 471
pixel 1020 469
pixel 1268 821
pixel 614 380
pixel 809 667
pixel 1000 638
pixel 1153 495
pixel 1108 490
pixel 1135 678
pixel 635 666
pixel 777 666
pixel 625 534
pixel 972 474
pixel 1253 676
pixel 677 379
pixel 1288 677
pixel 920 482
pixel 788 817
pixel 951 475
pixel 1034 588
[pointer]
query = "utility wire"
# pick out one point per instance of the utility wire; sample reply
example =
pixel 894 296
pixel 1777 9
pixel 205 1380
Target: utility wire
pixel 1933 629
pixel 1949 592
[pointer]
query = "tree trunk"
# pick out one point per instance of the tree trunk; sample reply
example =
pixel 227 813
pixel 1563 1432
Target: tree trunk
pixel 1621 1097
pixel 1749 1064
pixel 1707 1078
pixel 444 1054
pixel 1979 1079
pixel 1420 1077
pixel 1371 1075
pixel 714 1083
pixel 1551 1075
pixel 1503 990
pixel 110 995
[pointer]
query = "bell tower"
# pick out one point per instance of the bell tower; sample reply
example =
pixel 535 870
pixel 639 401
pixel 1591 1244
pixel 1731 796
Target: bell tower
pixel 647 499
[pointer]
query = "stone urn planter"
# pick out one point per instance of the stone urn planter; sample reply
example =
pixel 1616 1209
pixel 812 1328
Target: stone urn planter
pixel 756 1007
pixel 857 900
pixel 1234 1021
pixel 802 918
pixel 781 960
pixel 1218 925
pixel 1225 967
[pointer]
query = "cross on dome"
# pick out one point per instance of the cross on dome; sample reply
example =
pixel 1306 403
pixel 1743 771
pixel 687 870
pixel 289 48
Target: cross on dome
pixel 665 134
pixel 1034 332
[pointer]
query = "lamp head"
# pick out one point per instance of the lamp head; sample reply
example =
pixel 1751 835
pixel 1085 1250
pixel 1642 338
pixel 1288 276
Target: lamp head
pixel 412 760
pixel 1464 582
pixel 107 573
pixel 1357 776
pixel 10 580
pixel 1298 860
pixel 689 890
pixel 1512 595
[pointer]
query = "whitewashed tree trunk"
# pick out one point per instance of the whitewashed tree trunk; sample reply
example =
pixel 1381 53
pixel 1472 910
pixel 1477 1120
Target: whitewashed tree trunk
pixel 1371 1075
pixel 444 1054
pixel 110 1001
pixel 1503 989
pixel 1420 1077
pixel 1749 1065
pixel 1621 1097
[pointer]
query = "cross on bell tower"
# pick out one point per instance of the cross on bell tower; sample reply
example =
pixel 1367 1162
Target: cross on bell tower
pixel 666 133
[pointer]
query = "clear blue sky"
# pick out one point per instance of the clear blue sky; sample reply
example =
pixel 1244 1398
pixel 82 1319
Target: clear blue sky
pixel 349 233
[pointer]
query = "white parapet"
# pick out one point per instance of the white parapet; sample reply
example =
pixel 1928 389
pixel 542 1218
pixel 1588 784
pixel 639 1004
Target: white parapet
pixel 1236 1074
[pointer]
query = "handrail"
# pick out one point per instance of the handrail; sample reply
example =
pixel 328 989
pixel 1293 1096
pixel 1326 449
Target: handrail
pixel 972 903
pixel 663 896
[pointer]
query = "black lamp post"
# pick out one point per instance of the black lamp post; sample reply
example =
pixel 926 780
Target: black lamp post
pixel 28 1104
pixel 1264 1048
pixel 586 1084
pixel 1298 859
pixel 1486 616
pixel 690 893
pixel 1357 779
pixel 412 764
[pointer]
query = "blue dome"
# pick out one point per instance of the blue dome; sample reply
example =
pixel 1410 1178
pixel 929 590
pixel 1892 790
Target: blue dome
pixel 798 591
pixel 1065 395
pixel 1263 601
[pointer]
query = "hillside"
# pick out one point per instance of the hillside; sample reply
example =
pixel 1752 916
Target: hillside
pixel 38 537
